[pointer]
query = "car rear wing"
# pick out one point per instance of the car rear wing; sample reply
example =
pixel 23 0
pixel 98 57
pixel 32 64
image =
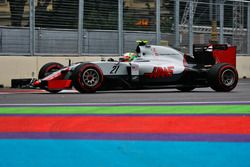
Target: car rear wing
pixel 214 53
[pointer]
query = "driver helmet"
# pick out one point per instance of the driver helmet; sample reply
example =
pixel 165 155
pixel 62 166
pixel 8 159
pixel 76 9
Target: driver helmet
pixel 129 56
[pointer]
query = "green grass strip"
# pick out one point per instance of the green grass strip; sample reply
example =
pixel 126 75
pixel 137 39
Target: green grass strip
pixel 214 109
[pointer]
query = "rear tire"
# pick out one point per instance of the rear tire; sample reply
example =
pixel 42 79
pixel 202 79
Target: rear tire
pixel 223 77
pixel 87 78
pixel 48 69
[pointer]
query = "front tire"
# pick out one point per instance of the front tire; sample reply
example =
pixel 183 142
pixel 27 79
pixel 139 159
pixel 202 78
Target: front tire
pixel 223 77
pixel 48 69
pixel 87 78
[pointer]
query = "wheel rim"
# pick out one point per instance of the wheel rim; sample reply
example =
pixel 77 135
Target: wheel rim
pixel 228 77
pixel 90 77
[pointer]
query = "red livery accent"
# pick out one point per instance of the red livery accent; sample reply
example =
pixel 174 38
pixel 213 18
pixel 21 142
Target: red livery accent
pixel 226 56
pixel 58 75
pixel 128 124
pixel 161 72
pixel 59 84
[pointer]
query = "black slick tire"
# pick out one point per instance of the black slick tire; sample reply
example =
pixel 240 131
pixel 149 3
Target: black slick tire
pixel 222 77
pixel 87 78
pixel 48 69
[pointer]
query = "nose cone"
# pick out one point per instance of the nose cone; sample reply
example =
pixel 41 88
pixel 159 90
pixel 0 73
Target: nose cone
pixel 37 83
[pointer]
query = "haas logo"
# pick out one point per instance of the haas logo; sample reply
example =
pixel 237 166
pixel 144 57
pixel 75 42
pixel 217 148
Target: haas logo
pixel 160 72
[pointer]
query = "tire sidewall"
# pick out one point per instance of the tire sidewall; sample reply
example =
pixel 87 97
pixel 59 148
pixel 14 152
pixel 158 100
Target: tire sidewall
pixel 78 78
pixel 225 87
pixel 48 67
pixel 215 77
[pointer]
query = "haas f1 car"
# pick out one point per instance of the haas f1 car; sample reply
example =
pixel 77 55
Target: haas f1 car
pixel 152 67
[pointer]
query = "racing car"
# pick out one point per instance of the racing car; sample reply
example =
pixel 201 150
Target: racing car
pixel 154 66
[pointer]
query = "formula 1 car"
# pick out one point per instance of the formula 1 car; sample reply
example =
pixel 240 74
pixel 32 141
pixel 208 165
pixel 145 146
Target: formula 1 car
pixel 154 67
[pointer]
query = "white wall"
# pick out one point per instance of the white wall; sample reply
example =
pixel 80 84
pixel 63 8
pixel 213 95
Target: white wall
pixel 243 66
pixel 15 67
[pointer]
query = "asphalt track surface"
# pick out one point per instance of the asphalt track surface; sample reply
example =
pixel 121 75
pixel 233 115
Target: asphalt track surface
pixel 147 128
pixel 240 95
